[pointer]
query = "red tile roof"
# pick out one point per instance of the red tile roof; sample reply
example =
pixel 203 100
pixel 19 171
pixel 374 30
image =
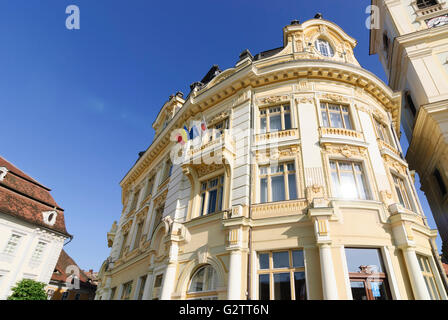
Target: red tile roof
pixel 23 197
pixel 63 273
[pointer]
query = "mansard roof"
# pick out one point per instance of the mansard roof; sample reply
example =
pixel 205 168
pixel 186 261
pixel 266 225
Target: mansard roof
pixel 25 198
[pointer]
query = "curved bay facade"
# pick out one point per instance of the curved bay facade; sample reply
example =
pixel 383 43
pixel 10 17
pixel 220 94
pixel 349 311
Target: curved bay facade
pixel 297 190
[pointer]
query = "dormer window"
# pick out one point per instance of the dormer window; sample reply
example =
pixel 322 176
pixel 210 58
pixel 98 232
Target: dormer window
pixel 422 4
pixel 50 217
pixel 3 172
pixel 324 48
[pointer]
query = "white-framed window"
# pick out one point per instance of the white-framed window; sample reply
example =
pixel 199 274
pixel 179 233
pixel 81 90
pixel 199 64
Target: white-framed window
pixel 219 128
pixel 324 47
pixel 38 253
pixel 126 291
pixel 138 234
pixel 348 180
pixel 50 293
pixel 428 275
pixel 335 116
pixel 141 288
pixel 167 170
pixel 281 275
pixel 278 182
pixel 401 190
pixel 135 200
pixel 383 132
pixel 276 118
pixel 212 192
pixel 157 286
pixel 12 244
pixel 203 284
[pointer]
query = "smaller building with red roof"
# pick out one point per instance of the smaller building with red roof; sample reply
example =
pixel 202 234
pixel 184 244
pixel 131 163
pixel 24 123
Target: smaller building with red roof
pixel 69 282
pixel 32 229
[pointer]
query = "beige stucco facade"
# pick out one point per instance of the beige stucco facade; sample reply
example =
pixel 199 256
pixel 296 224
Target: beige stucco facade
pixel 411 40
pixel 274 190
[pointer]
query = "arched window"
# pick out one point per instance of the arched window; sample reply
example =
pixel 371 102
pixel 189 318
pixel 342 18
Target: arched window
pixel 324 48
pixel 421 4
pixel 203 284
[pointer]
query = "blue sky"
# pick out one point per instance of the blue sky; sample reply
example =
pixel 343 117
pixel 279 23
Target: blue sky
pixel 78 105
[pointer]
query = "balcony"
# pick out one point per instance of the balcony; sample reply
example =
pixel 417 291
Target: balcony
pixel 211 148
pixel 385 146
pixel 429 11
pixel 277 135
pixel 330 132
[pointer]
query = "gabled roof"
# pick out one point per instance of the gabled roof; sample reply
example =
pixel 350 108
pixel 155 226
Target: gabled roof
pixel 23 197
pixel 62 270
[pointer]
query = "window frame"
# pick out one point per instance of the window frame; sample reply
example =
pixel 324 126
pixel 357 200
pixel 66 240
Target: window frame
pixel 327 45
pixel 285 173
pixel 36 259
pixel 406 187
pixel 204 194
pixel 19 238
pixel 335 192
pixel 264 112
pixel 211 293
pixel 325 105
pixel 429 276
pixel 126 295
pixel 291 270
pixel 141 287
pixel 426 4
pixel 383 132
pixel 214 130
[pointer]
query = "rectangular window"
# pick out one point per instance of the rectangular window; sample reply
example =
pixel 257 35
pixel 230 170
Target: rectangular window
pixel 167 170
pixel 218 129
pixel 157 285
pixel 150 186
pixel 278 182
pixel 402 194
pixel 348 180
pixel 281 275
pixel 368 280
pixel 38 253
pixel 212 195
pixel 141 290
pixel 64 295
pixel 383 132
pixel 335 116
pixel 138 235
pixel 123 245
pixel 135 200
pixel 275 118
pixel 428 275
pixel 12 245
pixel 112 294
pixel 126 293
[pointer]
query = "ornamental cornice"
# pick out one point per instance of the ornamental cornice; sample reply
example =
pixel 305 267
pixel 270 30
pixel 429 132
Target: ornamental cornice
pixel 347 151
pixel 274 99
pixel 395 164
pixel 266 155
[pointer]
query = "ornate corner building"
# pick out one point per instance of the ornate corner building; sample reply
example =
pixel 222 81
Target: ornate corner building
pixel 297 191
pixel 411 40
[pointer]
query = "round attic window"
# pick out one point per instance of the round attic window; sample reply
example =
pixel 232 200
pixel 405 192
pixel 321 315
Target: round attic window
pixel 49 217
pixel 324 48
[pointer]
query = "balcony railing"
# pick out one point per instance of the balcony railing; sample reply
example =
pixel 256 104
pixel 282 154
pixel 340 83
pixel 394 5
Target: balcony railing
pixel 279 209
pixel 340 132
pixel 384 145
pixel 291 133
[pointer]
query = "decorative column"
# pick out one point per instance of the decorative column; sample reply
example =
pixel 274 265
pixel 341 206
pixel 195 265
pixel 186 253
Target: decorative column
pixel 415 274
pixel 234 282
pixel 329 286
pixel 402 224
pixel 170 273
pixel 235 222
pixel 320 215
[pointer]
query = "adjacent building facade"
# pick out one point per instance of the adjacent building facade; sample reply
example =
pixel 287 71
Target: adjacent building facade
pixel 69 282
pixel 32 229
pixel 296 190
pixel 411 40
